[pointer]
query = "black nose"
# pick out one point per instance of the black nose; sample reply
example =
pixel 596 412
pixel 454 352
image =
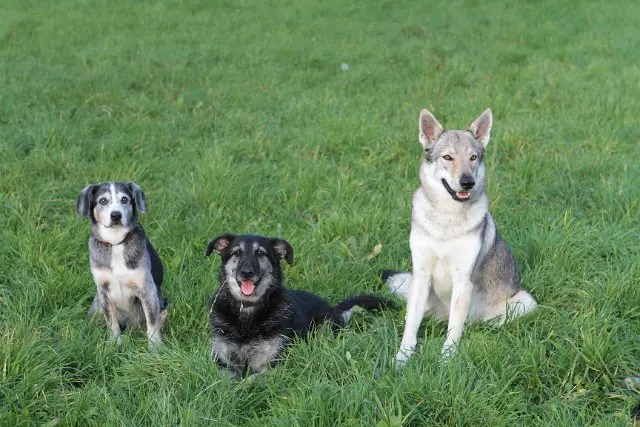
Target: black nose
pixel 467 182
pixel 116 216
pixel 246 271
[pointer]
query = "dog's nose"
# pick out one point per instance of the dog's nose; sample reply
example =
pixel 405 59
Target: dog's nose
pixel 467 182
pixel 116 216
pixel 246 271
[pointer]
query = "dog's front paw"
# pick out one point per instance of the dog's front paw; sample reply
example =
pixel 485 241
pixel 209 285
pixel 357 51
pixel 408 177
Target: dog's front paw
pixel 632 383
pixel 448 350
pixel 116 339
pixel 403 355
pixel 154 343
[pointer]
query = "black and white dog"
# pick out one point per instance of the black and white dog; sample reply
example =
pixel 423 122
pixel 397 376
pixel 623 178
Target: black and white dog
pixel 126 269
pixel 253 316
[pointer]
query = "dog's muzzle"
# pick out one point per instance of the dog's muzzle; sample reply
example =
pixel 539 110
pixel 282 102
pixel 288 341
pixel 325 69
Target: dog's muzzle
pixel 247 281
pixel 459 196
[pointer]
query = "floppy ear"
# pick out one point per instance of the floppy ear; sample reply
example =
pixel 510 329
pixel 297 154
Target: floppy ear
pixel 83 205
pixel 283 250
pixel 138 196
pixel 481 127
pixel 430 129
pixel 220 243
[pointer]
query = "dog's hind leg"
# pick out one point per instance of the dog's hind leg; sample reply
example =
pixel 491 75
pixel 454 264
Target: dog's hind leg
pixel 398 283
pixel 95 306
pixel 518 305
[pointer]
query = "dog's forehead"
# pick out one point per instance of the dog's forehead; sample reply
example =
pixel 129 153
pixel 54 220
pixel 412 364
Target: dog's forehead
pixel 103 189
pixel 238 243
pixel 456 140
pixel 252 243
pixel 259 245
pixel 122 188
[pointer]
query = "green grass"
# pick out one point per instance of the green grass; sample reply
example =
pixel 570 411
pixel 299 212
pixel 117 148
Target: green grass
pixel 237 116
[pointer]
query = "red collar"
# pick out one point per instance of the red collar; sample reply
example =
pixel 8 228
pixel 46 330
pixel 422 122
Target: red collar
pixel 108 245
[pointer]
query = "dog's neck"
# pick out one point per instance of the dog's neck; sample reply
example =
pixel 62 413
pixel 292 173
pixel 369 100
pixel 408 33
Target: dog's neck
pixel 114 236
pixel 109 244
pixel 249 308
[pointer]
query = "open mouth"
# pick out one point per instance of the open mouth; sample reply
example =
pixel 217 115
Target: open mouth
pixel 459 196
pixel 247 287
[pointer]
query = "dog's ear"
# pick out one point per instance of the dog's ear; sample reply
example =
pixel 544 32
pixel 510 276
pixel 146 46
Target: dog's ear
pixel 220 243
pixel 83 205
pixel 430 129
pixel 283 250
pixel 138 196
pixel 481 127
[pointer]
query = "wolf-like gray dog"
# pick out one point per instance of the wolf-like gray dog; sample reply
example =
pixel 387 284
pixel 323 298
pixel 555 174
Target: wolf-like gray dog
pixel 125 267
pixel 462 269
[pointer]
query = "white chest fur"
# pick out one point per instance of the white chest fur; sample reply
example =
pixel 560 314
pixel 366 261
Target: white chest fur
pixel 452 257
pixel 446 244
pixel 120 283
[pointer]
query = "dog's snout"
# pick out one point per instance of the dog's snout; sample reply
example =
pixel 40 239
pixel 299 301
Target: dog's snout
pixel 246 271
pixel 116 216
pixel 467 182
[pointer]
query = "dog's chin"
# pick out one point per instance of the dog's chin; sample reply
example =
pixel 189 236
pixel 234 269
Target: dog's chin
pixel 114 225
pixel 458 196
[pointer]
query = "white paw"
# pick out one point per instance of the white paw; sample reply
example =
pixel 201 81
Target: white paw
pixel 448 350
pixel 253 377
pixel 227 373
pixel 403 355
pixel 154 342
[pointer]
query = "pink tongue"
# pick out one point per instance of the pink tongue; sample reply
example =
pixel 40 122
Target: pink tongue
pixel 463 194
pixel 247 287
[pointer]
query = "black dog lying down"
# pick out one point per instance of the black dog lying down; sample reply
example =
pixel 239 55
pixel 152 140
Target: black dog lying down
pixel 253 316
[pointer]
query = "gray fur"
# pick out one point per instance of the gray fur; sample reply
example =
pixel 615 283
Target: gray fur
pixel 126 269
pixel 257 355
pixel 463 270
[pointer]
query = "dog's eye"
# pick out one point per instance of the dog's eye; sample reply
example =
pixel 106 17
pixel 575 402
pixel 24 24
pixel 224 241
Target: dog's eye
pixel 447 157
pixel 474 157
pixel 260 252
pixel 124 200
pixel 236 252
pixel 103 201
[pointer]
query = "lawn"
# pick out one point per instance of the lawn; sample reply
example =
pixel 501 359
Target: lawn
pixel 241 116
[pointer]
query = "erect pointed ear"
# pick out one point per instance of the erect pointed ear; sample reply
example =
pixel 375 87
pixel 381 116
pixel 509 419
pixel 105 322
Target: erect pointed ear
pixel 283 250
pixel 138 196
pixel 83 204
pixel 481 127
pixel 430 129
pixel 220 243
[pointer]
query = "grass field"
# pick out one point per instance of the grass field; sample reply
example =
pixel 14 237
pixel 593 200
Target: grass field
pixel 238 116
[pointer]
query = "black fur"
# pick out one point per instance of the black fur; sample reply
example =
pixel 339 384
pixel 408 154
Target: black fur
pixel 279 312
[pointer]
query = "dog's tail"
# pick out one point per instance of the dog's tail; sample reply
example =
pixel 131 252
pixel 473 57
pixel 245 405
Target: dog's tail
pixel 368 302
pixel 397 281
